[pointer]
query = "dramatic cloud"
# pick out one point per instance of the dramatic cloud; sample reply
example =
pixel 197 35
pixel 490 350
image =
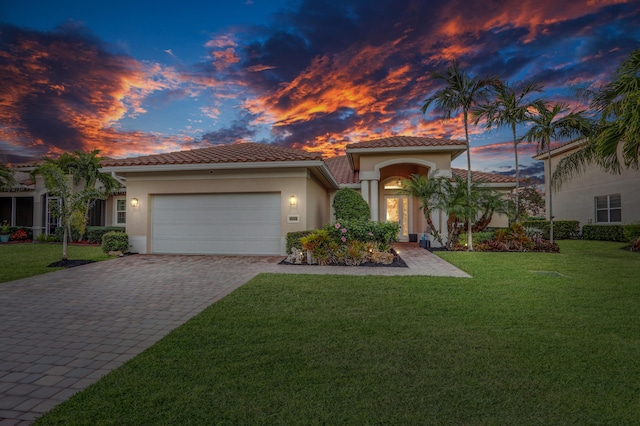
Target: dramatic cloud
pixel 318 76
pixel 63 91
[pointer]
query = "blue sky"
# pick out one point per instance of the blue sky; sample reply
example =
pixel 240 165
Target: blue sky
pixel 135 78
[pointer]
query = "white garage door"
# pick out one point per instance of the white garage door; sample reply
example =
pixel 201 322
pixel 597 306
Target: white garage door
pixel 216 224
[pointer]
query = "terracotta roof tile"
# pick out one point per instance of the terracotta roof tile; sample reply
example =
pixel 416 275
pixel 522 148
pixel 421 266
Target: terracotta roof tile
pixel 340 169
pixel 344 175
pixel 236 153
pixel 405 141
pixel 484 177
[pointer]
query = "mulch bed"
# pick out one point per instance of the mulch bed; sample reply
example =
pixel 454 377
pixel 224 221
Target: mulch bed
pixel 397 263
pixel 69 263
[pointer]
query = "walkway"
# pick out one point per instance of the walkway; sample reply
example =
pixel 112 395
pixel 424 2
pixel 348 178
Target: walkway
pixel 62 331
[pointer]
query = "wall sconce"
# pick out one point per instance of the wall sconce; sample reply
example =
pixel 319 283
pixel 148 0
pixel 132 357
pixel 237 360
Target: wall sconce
pixel 293 201
pixel 134 202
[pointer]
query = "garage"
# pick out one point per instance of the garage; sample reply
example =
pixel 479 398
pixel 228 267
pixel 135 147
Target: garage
pixel 216 223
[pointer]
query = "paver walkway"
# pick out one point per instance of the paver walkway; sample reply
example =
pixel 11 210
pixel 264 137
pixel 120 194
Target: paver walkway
pixel 62 331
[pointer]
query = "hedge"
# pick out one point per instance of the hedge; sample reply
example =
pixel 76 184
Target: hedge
pixel 95 233
pixel 603 232
pixel 293 239
pixel 115 241
pixel 562 229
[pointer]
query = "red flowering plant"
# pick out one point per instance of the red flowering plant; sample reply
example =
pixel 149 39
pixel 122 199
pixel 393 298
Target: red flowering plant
pixel 19 235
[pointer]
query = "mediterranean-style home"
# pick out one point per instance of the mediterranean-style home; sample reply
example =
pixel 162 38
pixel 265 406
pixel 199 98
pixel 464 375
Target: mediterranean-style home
pixel 244 198
pixel 594 196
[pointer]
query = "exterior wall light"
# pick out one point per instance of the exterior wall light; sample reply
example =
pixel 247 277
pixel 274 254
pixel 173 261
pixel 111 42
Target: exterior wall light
pixel 293 201
pixel 134 202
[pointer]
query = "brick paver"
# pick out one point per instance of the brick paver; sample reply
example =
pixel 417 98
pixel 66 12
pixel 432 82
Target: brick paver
pixel 62 331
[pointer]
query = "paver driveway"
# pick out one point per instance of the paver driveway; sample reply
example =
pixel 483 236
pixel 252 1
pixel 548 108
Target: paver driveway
pixel 62 331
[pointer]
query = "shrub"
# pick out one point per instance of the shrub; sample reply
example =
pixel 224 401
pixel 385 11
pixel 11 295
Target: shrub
pixel 348 204
pixel 603 232
pixel 365 231
pixel 115 241
pixel 293 239
pixel 59 234
pixel 95 233
pixel 19 235
pixel 631 232
pixel 516 238
pixel 562 229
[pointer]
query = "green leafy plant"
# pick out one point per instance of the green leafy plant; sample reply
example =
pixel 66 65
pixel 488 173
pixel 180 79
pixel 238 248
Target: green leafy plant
pixel 562 229
pixel 115 241
pixel 4 228
pixel 293 239
pixel 348 204
pixel 603 232
pixel 632 231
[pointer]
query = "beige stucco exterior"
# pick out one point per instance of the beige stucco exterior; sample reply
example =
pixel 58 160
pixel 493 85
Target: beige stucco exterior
pixel 575 200
pixel 311 198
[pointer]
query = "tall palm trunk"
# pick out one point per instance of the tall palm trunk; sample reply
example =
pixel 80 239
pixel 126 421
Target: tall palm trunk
pixel 469 222
pixel 550 192
pixel 515 150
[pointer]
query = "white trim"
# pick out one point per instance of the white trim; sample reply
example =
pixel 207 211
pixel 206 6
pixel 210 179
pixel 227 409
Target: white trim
pixel 351 185
pixel 116 211
pixel 364 190
pixel 375 200
pixel 369 175
pixel 462 147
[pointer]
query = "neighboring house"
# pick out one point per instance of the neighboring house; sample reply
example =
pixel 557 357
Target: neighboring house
pixel 26 204
pixel 593 197
pixel 245 198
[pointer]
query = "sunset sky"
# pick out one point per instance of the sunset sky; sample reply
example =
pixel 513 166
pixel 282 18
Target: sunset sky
pixel 135 78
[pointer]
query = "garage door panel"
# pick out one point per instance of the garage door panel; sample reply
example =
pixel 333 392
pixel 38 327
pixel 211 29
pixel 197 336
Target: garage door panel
pixel 216 223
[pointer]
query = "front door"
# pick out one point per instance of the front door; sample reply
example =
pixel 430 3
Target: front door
pixel 397 207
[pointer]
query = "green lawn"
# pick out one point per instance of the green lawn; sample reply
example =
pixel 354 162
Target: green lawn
pixel 531 339
pixel 28 259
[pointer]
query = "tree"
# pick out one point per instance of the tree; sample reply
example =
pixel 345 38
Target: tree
pixel 617 106
pixel 460 93
pixel 424 189
pixel 511 106
pixel 531 200
pixel 451 195
pixel 72 204
pixel 85 169
pixel 6 177
pixel 550 123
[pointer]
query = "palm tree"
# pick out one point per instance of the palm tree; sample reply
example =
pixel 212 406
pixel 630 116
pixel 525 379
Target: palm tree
pixel 426 190
pixel 618 107
pixel 510 106
pixel 552 123
pixel 85 168
pixel 461 92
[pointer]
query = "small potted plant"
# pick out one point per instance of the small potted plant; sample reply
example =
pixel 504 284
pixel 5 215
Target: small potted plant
pixel 5 232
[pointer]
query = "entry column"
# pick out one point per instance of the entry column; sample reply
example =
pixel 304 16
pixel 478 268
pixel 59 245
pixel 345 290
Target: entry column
pixel 364 190
pixel 374 199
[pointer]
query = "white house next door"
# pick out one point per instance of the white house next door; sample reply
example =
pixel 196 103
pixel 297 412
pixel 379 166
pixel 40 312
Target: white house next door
pixel 397 208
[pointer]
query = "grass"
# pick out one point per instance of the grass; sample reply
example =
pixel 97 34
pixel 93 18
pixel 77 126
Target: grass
pixel 509 346
pixel 29 259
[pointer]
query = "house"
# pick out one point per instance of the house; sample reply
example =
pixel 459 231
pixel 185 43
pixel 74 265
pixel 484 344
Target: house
pixel 245 198
pixel 595 196
pixel 27 204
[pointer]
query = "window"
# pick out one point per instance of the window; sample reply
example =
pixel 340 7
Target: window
pixel 121 211
pixel 608 208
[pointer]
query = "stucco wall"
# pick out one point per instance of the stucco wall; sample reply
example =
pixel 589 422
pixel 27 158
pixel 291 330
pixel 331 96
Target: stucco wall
pixel 318 207
pixel 144 185
pixel 576 199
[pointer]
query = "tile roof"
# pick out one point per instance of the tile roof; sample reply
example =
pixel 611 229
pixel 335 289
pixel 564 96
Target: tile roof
pixel 235 153
pixel 340 169
pixel 405 141
pixel 483 176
